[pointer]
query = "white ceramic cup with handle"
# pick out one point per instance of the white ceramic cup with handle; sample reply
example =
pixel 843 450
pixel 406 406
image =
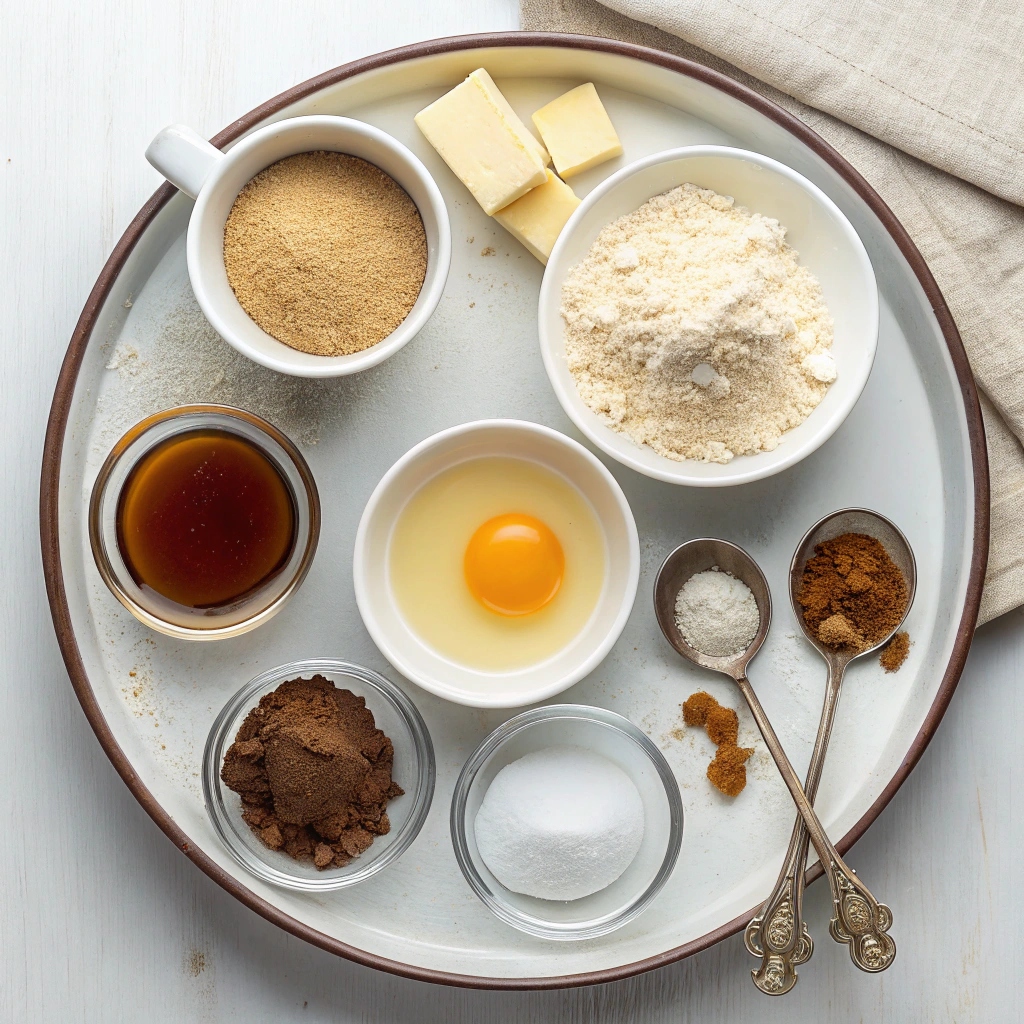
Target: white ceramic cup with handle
pixel 214 178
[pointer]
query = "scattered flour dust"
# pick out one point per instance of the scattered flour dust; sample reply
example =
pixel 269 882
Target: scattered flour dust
pixel 177 358
pixel 691 327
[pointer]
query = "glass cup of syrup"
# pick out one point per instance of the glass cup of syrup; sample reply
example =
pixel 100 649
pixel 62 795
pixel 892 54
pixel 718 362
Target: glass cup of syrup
pixel 203 521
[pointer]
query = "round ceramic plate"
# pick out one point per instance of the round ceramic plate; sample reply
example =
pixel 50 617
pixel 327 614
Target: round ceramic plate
pixel 913 448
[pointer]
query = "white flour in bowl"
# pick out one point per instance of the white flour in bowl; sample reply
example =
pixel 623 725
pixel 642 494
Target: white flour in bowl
pixel 692 328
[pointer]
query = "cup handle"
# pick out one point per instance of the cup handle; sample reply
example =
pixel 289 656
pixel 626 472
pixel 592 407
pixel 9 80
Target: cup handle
pixel 183 157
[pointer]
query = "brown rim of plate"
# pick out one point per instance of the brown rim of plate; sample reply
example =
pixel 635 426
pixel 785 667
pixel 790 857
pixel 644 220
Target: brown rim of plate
pixel 61 407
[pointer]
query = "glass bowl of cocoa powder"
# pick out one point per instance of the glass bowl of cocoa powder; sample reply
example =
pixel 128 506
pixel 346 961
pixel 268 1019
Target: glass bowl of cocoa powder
pixel 318 774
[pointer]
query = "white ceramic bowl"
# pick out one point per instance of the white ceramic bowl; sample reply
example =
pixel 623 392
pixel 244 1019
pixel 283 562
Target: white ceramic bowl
pixel 828 246
pixel 422 664
pixel 214 179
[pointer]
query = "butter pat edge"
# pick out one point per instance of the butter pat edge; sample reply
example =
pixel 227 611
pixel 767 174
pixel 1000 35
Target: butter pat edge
pixel 531 140
pixel 537 218
pixel 577 130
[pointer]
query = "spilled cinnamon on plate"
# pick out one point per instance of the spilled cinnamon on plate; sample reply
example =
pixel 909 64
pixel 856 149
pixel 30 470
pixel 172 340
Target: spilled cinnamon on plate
pixel 895 652
pixel 728 771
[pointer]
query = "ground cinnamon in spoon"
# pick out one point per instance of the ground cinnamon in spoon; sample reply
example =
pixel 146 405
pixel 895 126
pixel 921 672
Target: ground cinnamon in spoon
pixel 852 593
pixel 313 772
pixel 728 771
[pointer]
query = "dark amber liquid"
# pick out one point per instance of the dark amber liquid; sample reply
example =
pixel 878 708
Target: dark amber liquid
pixel 204 518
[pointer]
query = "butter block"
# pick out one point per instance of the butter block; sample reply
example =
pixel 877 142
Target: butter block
pixel 577 131
pixel 484 142
pixel 537 218
pixel 487 84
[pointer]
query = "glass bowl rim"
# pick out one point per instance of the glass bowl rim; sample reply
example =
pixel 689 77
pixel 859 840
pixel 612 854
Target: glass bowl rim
pixel 422 797
pixel 98 492
pixel 496 739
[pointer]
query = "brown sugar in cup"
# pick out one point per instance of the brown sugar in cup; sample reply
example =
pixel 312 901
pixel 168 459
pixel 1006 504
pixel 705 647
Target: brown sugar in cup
pixel 246 827
pixel 326 252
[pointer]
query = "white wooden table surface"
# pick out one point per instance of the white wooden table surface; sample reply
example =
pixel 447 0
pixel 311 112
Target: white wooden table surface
pixel 101 919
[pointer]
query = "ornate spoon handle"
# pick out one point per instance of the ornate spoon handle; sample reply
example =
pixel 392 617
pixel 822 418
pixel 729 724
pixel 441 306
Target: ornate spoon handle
pixel 777 933
pixel 859 919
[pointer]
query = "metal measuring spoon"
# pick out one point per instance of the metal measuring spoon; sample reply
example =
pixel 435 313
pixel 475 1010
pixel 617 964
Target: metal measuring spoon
pixel 777 933
pixel 859 920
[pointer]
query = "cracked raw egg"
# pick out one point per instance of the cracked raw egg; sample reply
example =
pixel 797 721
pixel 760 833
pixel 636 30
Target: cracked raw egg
pixel 514 564
pixel 497 563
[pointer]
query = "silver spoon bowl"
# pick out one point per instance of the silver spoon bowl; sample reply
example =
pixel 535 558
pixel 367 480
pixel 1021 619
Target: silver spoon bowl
pixel 858 919
pixel 835 524
pixel 777 933
pixel 698 556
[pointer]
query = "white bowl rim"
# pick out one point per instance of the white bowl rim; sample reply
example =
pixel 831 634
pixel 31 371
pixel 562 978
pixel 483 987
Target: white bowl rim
pixel 327 366
pixel 675 472
pixel 361 569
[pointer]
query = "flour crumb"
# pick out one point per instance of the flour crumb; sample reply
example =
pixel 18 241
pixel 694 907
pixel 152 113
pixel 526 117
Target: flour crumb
pixel 691 327
pixel 179 359
pixel 124 358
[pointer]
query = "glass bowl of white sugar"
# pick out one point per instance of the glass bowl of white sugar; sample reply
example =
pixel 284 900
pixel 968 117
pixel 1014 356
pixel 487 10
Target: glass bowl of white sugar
pixel 546 801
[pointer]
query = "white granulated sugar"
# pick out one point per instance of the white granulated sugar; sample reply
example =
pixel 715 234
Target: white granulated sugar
pixel 692 328
pixel 559 824
pixel 716 613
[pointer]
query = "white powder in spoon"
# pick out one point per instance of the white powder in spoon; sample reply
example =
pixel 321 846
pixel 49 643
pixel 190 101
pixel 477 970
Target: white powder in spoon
pixel 559 824
pixel 717 613
pixel 691 327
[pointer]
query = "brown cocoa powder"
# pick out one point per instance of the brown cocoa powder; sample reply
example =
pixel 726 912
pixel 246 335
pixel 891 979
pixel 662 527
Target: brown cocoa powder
pixel 313 772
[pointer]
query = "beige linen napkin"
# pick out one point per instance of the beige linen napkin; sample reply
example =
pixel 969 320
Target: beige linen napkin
pixel 926 99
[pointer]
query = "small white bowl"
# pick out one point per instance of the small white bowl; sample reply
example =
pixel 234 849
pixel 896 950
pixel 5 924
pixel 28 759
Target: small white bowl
pixel 828 246
pixel 422 664
pixel 214 180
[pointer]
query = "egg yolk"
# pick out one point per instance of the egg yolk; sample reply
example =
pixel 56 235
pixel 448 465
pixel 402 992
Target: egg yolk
pixel 514 564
